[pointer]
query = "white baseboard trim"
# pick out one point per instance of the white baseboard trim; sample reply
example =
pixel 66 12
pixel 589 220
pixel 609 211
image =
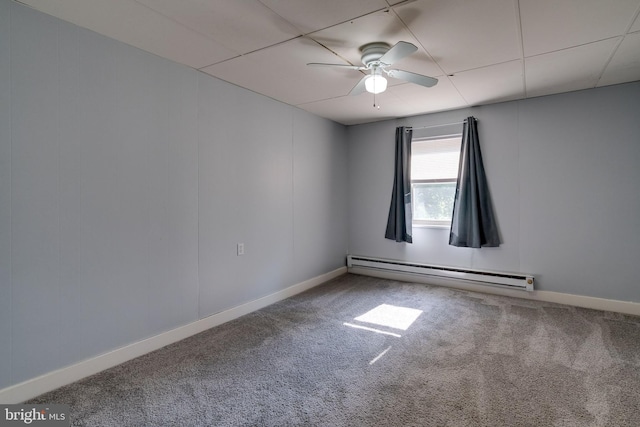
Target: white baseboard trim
pixel 625 307
pixel 52 380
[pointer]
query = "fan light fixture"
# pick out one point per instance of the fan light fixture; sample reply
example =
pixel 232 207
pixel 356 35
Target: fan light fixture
pixel 375 83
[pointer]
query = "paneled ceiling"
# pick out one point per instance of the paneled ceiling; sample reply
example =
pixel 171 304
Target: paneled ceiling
pixel 482 51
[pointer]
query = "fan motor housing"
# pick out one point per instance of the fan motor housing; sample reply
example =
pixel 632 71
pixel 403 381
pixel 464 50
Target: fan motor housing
pixel 372 52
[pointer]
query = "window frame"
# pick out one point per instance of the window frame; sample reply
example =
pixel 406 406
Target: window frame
pixel 432 223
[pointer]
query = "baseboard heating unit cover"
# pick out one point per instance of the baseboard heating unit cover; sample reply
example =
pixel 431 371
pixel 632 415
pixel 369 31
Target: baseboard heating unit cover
pixel 518 281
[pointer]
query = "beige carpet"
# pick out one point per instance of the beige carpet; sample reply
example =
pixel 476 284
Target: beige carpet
pixel 360 351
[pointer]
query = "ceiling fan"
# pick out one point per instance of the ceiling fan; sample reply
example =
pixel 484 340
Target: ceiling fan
pixel 377 57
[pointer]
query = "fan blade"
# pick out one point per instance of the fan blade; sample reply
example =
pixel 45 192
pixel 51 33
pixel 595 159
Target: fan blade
pixel 350 67
pixel 397 52
pixel 419 79
pixel 359 88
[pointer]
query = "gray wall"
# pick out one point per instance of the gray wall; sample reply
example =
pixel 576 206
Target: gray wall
pixel 126 181
pixel 563 173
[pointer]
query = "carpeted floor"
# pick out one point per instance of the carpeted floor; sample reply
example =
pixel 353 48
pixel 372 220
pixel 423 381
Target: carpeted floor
pixel 347 354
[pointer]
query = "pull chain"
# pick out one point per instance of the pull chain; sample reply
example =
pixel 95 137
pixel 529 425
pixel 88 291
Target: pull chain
pixel 374 98
pixel 374 102
pixel 374 95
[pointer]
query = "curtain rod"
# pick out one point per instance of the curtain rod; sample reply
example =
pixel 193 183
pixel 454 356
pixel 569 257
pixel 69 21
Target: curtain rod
pixel 435 126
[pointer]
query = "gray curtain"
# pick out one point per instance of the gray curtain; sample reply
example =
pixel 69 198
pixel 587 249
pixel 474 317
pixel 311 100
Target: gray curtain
pixel 400 215
pixel 473 224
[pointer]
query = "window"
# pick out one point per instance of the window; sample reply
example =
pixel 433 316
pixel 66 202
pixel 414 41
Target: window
pixel 434 172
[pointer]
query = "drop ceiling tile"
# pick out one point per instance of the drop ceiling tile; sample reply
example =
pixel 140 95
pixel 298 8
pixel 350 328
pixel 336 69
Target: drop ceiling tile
pixel 421 100
pixel 550 25
pixel 346 40
pixel 313 15
pixel 495 83
pixel 567 70
pixel 242 26
pixel 625 64
pixel 280 72
pixel 352 110
pixel 139 26
pixel 461 35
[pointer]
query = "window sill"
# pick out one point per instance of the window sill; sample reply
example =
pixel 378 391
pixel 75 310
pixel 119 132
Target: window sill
pixel 437 226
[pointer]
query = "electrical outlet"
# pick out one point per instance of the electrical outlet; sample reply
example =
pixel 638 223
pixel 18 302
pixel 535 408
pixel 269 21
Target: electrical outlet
pixel 240 249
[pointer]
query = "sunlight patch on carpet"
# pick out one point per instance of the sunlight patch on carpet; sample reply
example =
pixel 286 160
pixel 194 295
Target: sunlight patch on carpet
pixel 375 359
pixel 366 328
pixel 391 316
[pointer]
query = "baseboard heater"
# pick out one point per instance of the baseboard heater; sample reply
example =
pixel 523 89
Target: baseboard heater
pixel 491 278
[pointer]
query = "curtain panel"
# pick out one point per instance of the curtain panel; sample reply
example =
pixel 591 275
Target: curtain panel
pixel 400 213
pixel 473 224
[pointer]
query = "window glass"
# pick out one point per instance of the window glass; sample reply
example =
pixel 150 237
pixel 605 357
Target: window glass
pixel 434 171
